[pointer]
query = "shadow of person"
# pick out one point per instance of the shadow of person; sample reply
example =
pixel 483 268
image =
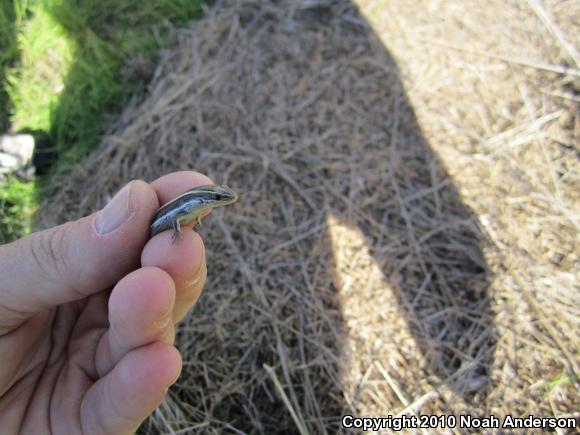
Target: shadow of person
pixel 359 271
pixel 349 277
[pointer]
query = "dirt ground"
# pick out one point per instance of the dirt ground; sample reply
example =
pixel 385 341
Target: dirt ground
pixel 406 239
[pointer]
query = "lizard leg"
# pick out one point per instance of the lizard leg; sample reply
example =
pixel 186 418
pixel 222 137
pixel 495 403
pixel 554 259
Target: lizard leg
pixel 201 216
pixel 176 230
pixel 197 225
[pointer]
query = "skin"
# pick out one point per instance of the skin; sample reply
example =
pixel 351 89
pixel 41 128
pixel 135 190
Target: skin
pixel 87 317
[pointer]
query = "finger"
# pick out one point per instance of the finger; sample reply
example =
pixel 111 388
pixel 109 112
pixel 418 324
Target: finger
pixel 140 313
pixel 118 402
pixel 184 262
pixel 78 258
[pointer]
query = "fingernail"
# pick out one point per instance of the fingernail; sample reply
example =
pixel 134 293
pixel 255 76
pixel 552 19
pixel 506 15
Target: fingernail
pixel 164 321
pixel 193 281
pixel 115 213
pixel 172 382
pixel 198 268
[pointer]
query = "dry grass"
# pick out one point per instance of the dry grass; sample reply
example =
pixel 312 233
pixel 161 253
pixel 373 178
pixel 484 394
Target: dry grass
pixel 406 239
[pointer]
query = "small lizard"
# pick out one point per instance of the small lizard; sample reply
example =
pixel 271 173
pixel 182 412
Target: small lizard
pixel 191 206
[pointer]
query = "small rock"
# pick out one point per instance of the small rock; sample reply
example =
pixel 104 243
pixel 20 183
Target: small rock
pixel 15 152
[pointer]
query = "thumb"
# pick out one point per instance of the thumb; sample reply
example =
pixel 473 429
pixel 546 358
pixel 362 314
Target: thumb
pixel 77 259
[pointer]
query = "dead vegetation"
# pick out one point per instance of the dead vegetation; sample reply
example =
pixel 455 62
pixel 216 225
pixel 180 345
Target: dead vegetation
pixel 406 239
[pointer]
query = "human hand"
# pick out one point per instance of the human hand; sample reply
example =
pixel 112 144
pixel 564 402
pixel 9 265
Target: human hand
pixel 87 315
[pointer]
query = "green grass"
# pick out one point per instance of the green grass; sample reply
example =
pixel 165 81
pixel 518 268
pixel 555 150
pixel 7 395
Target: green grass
pixel 37 83
pixel 562 379
pixel 67 67
pixel 11 18
pixel 17 205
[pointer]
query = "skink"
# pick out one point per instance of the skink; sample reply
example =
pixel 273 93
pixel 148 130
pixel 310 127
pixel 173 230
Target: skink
pixel 191 206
